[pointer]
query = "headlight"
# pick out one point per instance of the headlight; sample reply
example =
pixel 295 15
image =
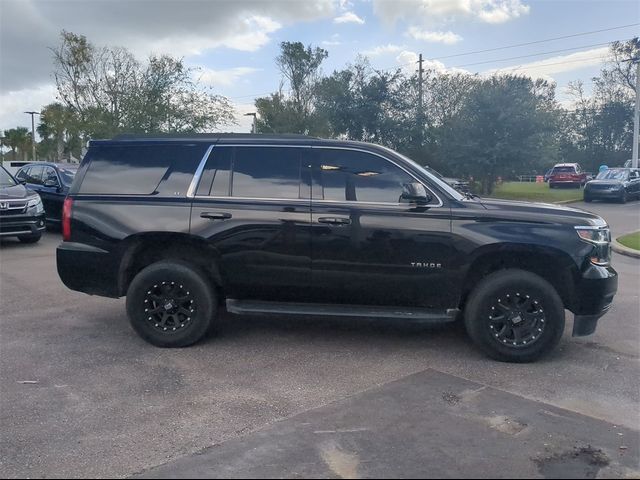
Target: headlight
pixel 600 238
pixel 36 202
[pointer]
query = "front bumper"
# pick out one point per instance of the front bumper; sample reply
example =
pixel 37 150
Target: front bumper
pixel 19 225
pixel 603 194
pixel 594 297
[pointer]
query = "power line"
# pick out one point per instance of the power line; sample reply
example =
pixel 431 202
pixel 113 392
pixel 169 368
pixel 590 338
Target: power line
pixel 535 54
pixel 537 41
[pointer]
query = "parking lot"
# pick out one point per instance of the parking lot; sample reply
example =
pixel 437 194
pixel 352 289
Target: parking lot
pixel 83 396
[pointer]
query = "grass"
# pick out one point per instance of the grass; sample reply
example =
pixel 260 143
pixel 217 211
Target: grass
pixel 632 240
pixel 535 192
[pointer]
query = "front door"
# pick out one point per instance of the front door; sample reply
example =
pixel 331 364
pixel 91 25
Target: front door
pixel 252 205
pixel 368 247
pixel 52 198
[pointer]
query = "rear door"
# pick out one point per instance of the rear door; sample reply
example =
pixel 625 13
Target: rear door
pixel 368 248
pixel 252 205
pixel 52 196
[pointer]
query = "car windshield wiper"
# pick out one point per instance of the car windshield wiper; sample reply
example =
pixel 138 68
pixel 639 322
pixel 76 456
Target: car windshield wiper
pixel 470 196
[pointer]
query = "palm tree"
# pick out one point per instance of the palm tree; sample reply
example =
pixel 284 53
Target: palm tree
pixel 18 139
pixel 56 121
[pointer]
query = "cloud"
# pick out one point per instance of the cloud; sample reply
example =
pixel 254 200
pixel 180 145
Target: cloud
pixel 333 41
pixel 217 78
pixel 177 27
pixel 448 38
pixel 382 50
pixel 13 104
pixel 553 65
pixel 348 17
pixel 440 11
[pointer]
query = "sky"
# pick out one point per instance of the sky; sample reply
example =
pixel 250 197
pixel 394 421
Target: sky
pixel 232 44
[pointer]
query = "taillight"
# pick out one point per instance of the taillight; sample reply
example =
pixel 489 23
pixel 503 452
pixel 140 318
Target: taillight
pixel 66 219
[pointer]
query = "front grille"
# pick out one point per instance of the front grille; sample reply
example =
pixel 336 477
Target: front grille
pixel 8 208
pixel 600 187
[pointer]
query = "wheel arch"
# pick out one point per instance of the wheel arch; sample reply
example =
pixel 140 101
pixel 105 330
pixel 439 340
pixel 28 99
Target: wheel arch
pixel 141 250
pixel 553 265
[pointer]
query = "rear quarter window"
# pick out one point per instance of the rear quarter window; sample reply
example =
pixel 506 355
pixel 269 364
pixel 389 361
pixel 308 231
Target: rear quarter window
pixel 165 170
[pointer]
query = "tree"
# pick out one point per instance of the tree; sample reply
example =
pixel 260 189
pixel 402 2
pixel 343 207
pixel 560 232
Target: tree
pixel 112 92
pixel 506 126
pixel 294 112
pixel 19 141
pixel 58 125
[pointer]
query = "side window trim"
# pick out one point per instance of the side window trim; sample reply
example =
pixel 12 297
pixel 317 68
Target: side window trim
pixel 358 202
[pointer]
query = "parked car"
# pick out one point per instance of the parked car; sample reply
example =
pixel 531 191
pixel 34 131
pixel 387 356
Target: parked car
pixel 567 174
pixel 51 181
pixel 297 225
pixel 547 175
pixel 458 184
pixel 21 210
pixel 614 184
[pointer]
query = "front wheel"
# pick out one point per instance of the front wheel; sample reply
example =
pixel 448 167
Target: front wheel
pixel 171 304
pixel 624 198
pixel 35 238
pixel 514 316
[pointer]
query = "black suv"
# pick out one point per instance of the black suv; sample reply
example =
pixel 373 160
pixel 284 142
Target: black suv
pixel 299 225
pixel 21 210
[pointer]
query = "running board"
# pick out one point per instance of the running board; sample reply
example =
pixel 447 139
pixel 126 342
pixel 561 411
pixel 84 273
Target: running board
pixel 249 307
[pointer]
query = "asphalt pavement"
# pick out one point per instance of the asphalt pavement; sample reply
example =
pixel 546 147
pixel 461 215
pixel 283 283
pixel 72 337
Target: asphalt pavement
pixel 82 396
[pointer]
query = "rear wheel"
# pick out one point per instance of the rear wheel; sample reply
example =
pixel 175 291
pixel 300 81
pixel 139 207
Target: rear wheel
pixel 171 304
pixel 514 316
pixel 30 238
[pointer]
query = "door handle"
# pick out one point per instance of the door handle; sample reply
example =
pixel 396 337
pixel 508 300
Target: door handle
pixel 216 215
pixel 335 220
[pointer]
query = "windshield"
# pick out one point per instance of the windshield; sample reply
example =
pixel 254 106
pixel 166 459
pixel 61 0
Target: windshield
pixel 67 174
pixel 613 174
pixel 6 180
pixel 432 176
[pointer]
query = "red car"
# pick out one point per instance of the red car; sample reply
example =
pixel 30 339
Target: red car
pixel 567 174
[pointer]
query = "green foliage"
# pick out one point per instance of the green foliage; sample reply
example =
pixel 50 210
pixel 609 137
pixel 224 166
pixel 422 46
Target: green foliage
pixel 19 141
pixel 110 92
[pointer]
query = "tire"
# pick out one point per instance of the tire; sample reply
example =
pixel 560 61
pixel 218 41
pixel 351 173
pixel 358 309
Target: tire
pixel 35 238
pixel 587 199
pixel 551 185
pixel 624 198
pixel 191 295
pixel 531 300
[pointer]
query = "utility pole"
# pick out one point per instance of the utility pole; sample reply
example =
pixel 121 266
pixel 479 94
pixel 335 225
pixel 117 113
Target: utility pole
pixel 636 117
pixel 420 97
pixel 254 125
pixel 33 134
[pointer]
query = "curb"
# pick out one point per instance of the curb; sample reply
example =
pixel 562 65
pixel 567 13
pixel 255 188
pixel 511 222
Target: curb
pixel 565 202
pixel 622 250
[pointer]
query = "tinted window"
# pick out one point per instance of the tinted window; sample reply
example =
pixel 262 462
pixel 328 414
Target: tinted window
pixel 357 176
pixel 50 175
pixel 35 174
pixel 23 174
pixel 67 174
pixel 6 180
pixel 141 169
pixel 269 172
pixel 217 173
pixel 564 170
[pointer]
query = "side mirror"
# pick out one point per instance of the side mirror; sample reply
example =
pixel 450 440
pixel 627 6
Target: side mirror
pixel 415 193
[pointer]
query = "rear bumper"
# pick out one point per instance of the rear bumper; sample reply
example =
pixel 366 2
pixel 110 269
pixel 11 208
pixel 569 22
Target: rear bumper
pixel 594 297
pixel 14 226
pixel 87 269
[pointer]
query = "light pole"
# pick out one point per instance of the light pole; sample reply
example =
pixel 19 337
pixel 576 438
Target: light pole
pixel 254 128
pixel 33 133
